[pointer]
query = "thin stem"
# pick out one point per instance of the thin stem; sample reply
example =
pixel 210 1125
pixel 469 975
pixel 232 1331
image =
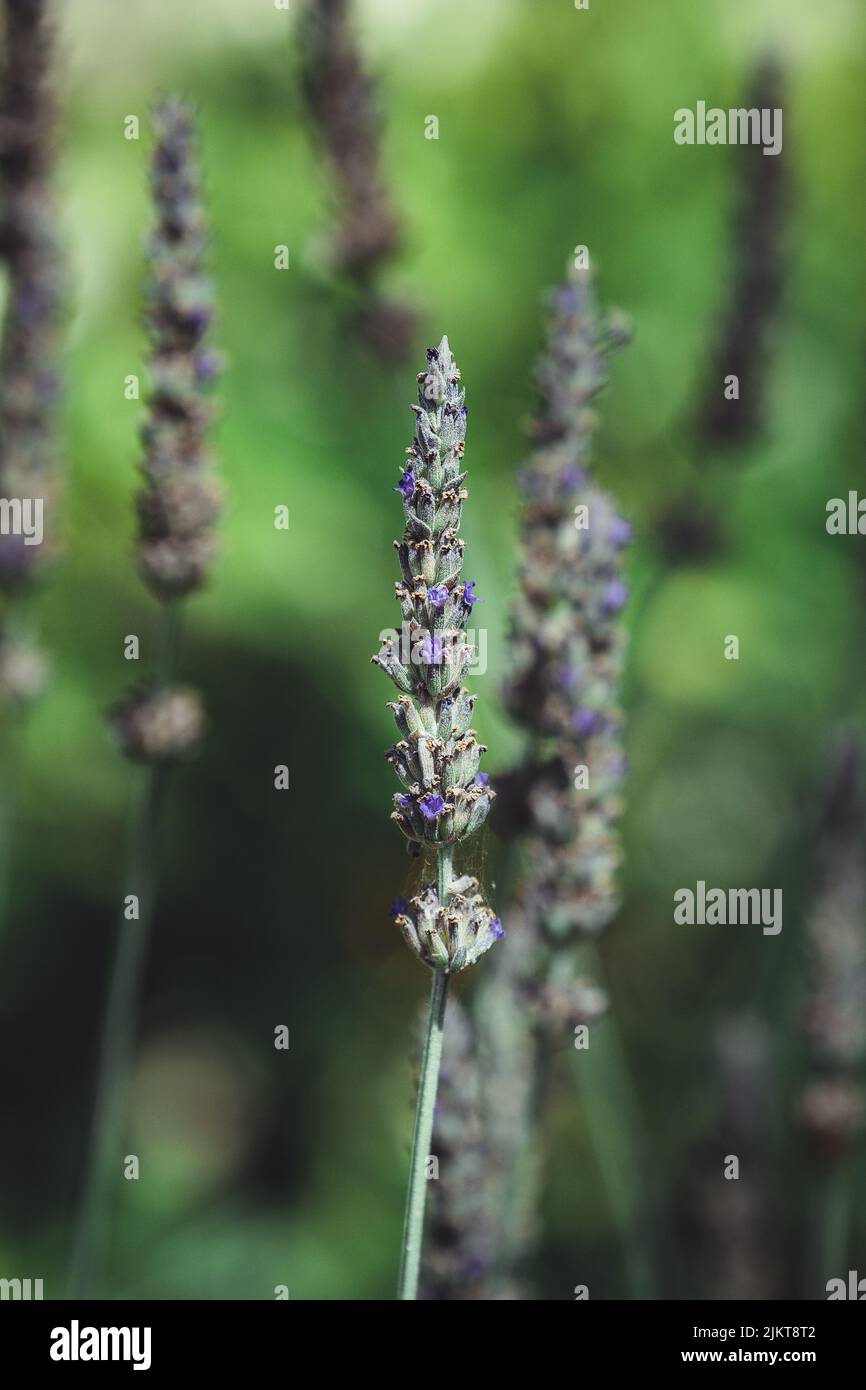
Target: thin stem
pixel 413 1228
pixel 616 1133
pixel 831 1213
pixel 18 623
pixel 13 737
pixel 518 1211
pixel 523 1187
pixel 121 1014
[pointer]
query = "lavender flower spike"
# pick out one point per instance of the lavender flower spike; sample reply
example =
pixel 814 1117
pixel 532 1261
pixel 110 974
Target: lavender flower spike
pixel 437 756
pixel 159 724
pixel 31 259
pixel 341 101
pixel 180 501
pixel 447 925
pixel 566 631
pixel 567 646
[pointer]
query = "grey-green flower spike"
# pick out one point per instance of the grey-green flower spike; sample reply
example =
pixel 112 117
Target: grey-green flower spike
pixel 445 797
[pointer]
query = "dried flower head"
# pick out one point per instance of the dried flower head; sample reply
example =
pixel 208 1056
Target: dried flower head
pixel 23 672
pixel 450 935
pixel 558 1006
pixel 163 726
pixel 180 502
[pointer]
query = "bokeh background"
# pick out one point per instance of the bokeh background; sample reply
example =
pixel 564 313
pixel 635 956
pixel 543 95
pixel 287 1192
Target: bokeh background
pixel 263 1167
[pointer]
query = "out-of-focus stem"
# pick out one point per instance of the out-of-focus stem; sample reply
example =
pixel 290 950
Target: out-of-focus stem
pixel 616 1132
pixel 121 1014
pixel 829 1256
pixel 13 734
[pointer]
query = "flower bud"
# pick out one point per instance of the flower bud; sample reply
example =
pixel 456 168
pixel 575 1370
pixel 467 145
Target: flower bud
pixel 453 936
pixel 163 726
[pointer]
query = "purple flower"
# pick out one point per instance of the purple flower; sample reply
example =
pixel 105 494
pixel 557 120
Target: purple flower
pixel 16 557
pixel 620 531
pixel 586 722
pixel 497 928
pixel 438 596
pixel 468 596
pixel 198 318
pixel 207 365
pixel 404 800
pixel 571 477
pixel 399 907
pixel 527 481
pixel 431 806
pixel 615 596
pixel 406 485
pixel 481 779
pixel 565 299
pixel 431 650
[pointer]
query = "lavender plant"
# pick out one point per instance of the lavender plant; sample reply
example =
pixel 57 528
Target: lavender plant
pixel 340 97
pixel 831 1108
pixel 445 798
pixel 689 528
pixel 755 285
pixel 29 379
pixel 567 650
pixel 29 376
pixel 158 725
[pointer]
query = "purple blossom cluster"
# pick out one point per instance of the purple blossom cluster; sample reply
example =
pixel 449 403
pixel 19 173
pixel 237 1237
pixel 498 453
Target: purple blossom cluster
pixel 436 758
pixel 566 637
pixel 453 934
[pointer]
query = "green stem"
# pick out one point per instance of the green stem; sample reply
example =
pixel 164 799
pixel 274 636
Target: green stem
pixel 18 623
pixel 121 1014
pixel 13 737
pixel 413 1228
pixel 616 1132
pixel 521 1193
pixel 831 1207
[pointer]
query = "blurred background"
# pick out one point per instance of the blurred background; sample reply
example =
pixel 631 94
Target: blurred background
pixel 266 1167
